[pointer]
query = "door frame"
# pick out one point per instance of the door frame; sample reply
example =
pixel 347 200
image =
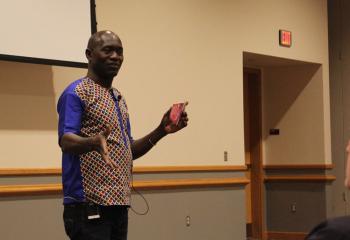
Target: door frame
pixel 252 86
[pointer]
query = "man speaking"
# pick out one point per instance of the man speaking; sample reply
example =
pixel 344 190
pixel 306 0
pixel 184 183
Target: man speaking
pixel 98 149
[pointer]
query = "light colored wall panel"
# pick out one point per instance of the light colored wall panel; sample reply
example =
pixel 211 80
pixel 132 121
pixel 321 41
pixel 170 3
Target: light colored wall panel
pixel 174 51
pixel 292 103
pixel 192 50
pixel 28 123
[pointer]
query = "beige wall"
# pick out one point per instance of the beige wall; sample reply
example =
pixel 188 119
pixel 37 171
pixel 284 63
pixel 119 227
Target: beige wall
pixel 292 103
pixel 28 123
pixel 192 50
pixel 175 51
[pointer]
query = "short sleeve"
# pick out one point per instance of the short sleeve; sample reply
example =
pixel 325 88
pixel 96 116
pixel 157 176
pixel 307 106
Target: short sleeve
pixel 70 111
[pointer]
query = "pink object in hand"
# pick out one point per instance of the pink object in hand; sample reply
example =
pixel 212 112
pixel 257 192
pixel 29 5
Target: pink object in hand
pixel 176 111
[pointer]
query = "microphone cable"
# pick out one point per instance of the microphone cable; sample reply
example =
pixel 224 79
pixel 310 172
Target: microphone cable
pixel 143 197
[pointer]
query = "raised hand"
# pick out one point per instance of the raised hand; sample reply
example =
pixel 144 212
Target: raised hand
pixel 171 127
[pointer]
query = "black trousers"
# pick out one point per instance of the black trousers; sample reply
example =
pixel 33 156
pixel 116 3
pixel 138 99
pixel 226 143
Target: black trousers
pixel 112 223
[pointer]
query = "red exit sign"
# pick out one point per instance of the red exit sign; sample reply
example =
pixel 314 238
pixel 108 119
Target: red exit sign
pixel 285 38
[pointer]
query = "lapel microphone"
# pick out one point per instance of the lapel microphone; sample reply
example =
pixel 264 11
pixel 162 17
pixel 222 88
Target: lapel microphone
pixel 115 94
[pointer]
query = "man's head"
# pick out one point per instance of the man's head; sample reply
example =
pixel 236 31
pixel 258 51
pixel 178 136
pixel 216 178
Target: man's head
pixel 105 54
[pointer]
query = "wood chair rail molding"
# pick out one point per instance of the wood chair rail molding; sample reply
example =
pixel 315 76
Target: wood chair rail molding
pixel 297 166
pixel 9 172
pixel 183 183
pixel 209 168
pixel 299 178
pixel 149 169
pixel 30 190
pixel 52 189
pixel 161 169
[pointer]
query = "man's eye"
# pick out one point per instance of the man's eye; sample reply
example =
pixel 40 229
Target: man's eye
pixel 107 50
pixel 119 51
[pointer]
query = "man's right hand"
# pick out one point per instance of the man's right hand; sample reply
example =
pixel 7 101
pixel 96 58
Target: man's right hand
pixel 101 146
pixel 75 144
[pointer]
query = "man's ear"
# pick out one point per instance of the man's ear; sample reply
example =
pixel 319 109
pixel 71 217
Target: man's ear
pixel 88 53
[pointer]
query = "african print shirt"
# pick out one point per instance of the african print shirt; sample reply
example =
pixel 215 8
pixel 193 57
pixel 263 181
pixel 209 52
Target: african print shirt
pixel 86 108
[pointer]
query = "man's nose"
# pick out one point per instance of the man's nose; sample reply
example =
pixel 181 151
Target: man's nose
pixel 115 55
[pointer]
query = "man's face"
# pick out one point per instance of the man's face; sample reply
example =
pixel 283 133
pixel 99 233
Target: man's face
pixel 106 57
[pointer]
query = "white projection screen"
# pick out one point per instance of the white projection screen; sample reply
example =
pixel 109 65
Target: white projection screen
pixel 46 31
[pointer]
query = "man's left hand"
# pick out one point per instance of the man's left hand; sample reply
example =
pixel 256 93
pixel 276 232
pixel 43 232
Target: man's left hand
pixel 169 126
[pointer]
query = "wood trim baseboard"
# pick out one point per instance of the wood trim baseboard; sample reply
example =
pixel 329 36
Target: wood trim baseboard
pixel 297 166
pixel 49 189
pixel 300 178
pixel 286 235
pixel 9 172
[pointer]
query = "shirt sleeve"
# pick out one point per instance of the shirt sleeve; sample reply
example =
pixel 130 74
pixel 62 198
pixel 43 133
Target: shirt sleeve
pixel 70 111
